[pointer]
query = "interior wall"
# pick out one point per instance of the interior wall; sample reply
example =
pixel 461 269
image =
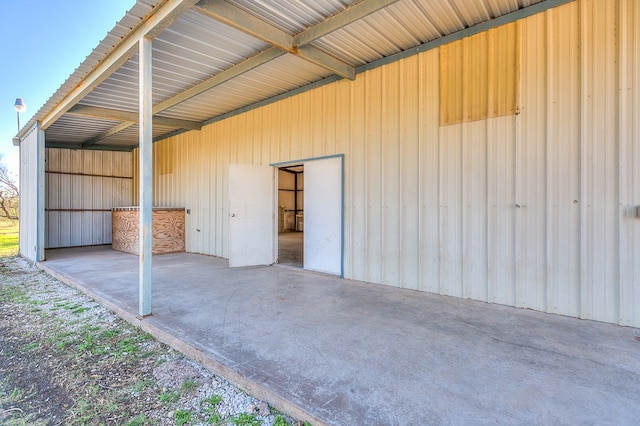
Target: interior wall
pixel 534 209
pixel 82 186
pixel 290 196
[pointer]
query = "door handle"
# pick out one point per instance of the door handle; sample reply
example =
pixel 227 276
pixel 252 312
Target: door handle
pixel 233 215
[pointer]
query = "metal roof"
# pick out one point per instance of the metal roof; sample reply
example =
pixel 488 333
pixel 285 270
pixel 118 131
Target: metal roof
pixel 213 58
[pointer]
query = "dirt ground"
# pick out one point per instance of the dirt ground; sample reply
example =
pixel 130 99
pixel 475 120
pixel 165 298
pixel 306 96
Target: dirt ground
pixel 64 359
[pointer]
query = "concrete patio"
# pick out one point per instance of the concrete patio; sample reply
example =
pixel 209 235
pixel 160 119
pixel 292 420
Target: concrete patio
pixel 344 352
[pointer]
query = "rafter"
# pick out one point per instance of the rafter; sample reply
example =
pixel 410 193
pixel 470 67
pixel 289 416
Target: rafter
pixel 228 14
pixel 256 27
pixel 114 114
pixel 339 20
pixel 112 131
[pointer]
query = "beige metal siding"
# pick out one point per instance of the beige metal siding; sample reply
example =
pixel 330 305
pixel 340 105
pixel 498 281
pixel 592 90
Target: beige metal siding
pixel 533 210
pixel 82 186
pixel 629 163
pixel 28 237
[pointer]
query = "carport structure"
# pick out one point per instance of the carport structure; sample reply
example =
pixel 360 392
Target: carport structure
pixel 484 150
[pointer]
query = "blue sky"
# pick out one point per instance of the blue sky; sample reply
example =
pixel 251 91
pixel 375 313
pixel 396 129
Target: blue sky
pixel 41 43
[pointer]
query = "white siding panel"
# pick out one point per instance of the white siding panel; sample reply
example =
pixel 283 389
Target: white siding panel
pixel 28 236
pixel 534 210
pixel 563 159
pixel 531 169
pixel 629 154
pixel 599 140
pixel 429 176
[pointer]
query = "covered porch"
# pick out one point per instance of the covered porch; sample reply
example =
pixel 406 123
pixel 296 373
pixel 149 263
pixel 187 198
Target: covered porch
pixel 337 351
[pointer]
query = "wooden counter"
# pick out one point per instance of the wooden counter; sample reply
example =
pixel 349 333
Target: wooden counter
pixel 167 229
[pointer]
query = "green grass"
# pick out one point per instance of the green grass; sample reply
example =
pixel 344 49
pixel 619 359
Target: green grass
pixel 244 419
pixel 8 239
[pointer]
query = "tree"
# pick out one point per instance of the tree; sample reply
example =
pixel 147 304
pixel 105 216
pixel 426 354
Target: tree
pixel 9 194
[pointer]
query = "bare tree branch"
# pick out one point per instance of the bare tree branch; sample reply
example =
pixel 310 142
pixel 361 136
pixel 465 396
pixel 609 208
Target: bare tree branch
pixel 9 194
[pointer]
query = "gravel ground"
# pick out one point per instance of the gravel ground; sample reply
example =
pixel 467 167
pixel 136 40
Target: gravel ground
pixel 64 359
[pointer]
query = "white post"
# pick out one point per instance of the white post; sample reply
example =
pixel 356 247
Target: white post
pixel 145 170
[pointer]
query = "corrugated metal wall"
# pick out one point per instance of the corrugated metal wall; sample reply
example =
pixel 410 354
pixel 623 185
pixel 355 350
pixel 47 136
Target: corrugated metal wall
pixel 82 187
pixel 28 209
pixel 532 210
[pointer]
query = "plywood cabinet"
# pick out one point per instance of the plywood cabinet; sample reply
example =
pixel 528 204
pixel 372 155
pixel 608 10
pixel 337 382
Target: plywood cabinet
pixel 167 226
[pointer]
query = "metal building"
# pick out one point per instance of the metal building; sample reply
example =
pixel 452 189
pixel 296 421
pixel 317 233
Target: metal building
pixel 487 150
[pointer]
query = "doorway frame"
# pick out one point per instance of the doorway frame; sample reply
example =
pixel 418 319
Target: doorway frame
pixel 307 160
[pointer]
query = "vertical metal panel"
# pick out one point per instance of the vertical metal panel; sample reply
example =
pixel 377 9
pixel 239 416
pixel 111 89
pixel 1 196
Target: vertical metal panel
pixel 28 233
pixel 428 181
pixel 474 209
pixel 532 210
pixel 629 158
pixel 390 225
pixel 563 159
pixel 408 174
pixel 599 170
pixel 531 164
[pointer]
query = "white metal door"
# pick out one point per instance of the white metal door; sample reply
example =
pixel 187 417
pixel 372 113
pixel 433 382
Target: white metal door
pixel 252 225
pixel 323 215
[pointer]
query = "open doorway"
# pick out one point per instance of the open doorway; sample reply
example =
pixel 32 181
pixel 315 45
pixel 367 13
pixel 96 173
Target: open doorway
pixel 316 219
pixel 291 215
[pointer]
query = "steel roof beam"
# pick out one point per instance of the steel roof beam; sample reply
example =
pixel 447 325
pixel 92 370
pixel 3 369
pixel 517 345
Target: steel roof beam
pixel 112 131
pixel 339 20
pixel 161 18
pixel 244 21
pixel 114 114
pixel 236 70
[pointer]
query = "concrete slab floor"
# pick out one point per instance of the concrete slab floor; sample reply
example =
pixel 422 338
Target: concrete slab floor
pixel 350 353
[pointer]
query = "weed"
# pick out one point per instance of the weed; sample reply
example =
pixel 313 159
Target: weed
pixel 82 411
pixel 14 294
pixel 209 411
pixel 126 346
pixel 213 400
pixel 30 346
pixel 169 396
pixel 139 386
pixel 87 344
pixel 138 420
pixel 80 309
pixel 280 421
pixel 16 394
pixel 212 418
pixel 244 419
pixel 182 417
pixel 188 386
pixel 107 334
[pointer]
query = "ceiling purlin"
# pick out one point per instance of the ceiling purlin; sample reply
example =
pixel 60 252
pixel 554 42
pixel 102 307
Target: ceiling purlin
pixel 282 43
pixel 114 114
pixel 348 16
pixel 128 119
pixel 108 133
pixel 244 21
